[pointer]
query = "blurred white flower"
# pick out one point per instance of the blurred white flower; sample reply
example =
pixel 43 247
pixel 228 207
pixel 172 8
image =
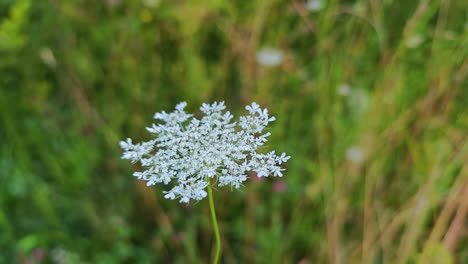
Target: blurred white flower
pixel 355 154
pixel 344 89
pixel 47 56
pixel 62 256
pixel 112 3
pixel 414 41
pixel 359 8
pixel 314 5
pixel 151 3
pixel 190 151
pixel 269 57
pixel 449 35
pixel 358 100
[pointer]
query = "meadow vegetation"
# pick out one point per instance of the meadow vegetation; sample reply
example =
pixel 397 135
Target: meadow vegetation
pixel 370 99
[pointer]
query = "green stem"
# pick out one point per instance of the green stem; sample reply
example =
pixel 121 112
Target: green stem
pixel 215 225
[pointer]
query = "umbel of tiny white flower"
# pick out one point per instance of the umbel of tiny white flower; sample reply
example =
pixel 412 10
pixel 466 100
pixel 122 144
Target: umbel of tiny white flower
pixel 186 152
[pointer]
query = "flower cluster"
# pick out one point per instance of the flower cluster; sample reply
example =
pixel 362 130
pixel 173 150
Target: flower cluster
pixel 188 151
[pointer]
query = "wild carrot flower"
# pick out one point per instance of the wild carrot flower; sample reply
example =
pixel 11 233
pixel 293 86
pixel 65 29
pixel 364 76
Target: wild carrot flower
pixel 187 152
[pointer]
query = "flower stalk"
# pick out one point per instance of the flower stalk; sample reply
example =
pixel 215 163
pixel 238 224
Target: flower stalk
pixel 215 225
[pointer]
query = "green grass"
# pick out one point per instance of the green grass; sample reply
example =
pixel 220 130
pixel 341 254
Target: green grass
pixel 78 76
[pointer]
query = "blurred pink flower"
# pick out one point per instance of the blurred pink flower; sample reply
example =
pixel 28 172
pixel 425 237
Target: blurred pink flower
pixel 38 254
pixel 180 236
pixel 279 186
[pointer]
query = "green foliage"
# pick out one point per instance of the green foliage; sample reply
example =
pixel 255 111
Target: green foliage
pixel 11 37
pixel 78 76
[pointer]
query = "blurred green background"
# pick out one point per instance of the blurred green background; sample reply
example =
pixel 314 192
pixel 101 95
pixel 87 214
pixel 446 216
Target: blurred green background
pixel 371 100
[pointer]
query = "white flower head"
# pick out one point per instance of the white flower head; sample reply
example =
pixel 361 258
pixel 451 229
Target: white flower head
pixel 187 151
pixel 269 57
